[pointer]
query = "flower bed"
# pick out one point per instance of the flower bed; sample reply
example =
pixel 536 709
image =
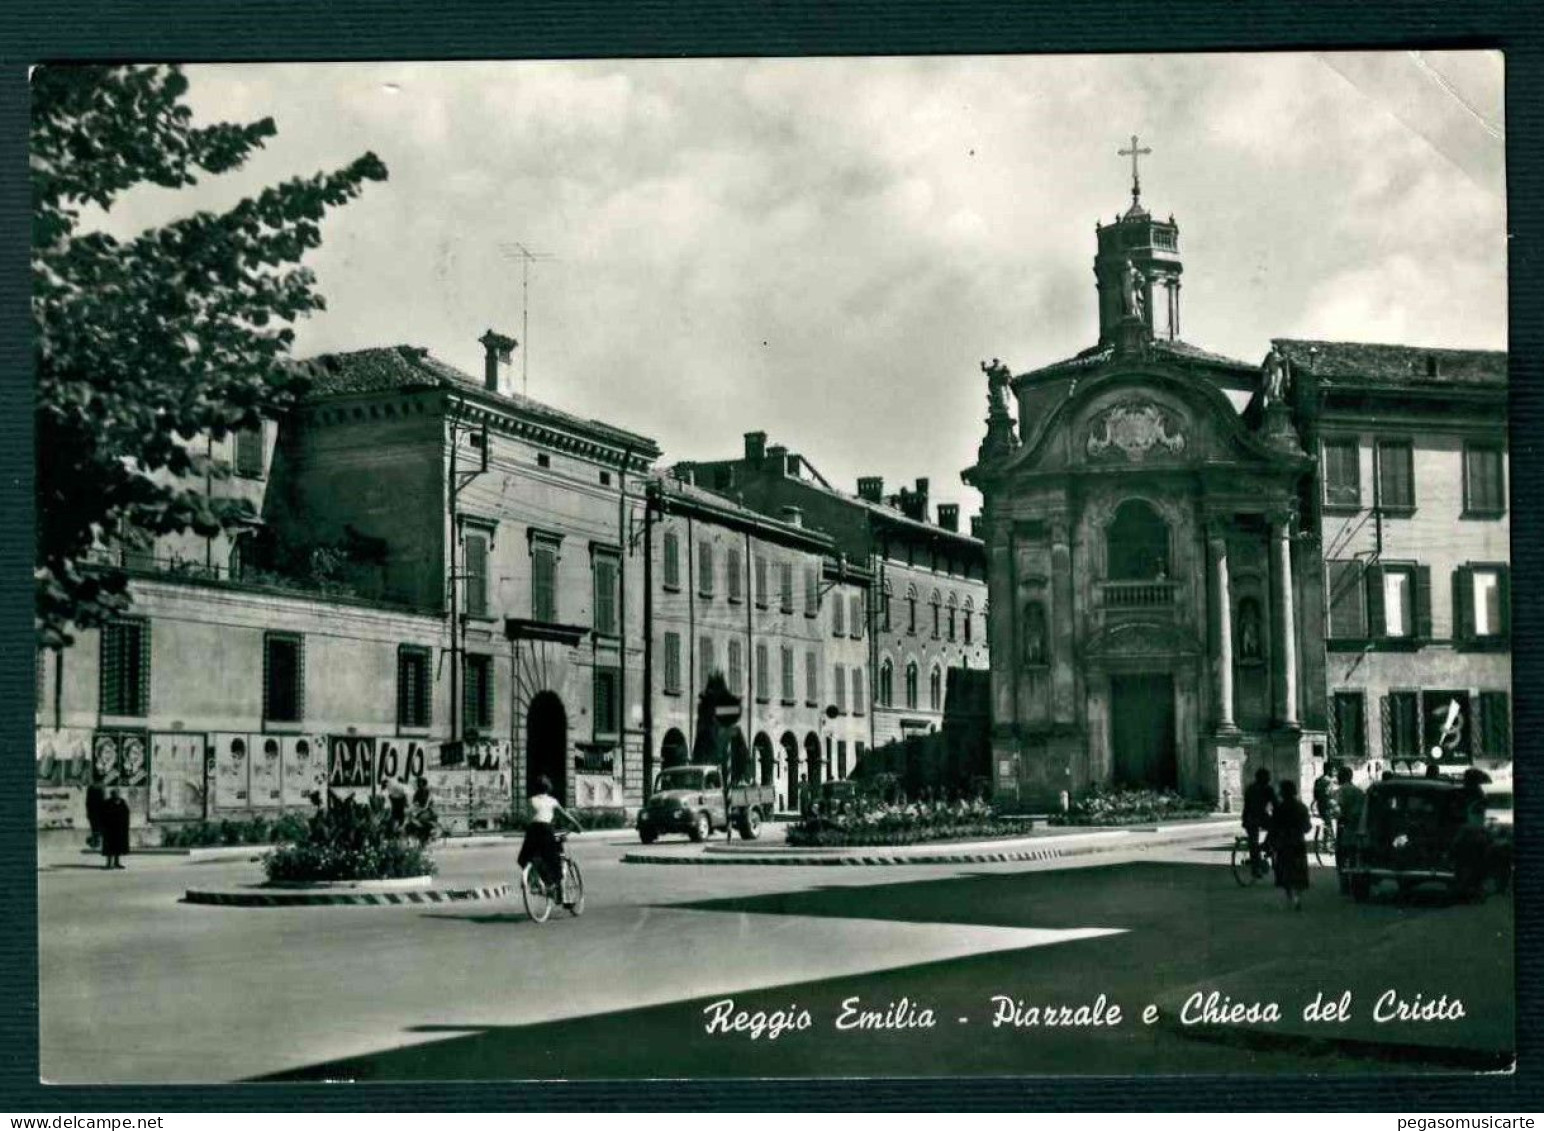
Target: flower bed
pixel 258 830
pixel 1102 805
pixel 350 841
pixel 885 826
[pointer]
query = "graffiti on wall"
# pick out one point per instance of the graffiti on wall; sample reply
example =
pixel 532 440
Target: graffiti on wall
pixel 350 767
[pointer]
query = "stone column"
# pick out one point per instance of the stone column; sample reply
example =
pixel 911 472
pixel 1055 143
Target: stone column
pixel 1059 646
pixel 1281 544
pixel 1222 606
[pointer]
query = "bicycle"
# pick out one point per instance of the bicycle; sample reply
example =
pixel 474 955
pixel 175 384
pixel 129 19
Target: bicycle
pixel 539 895
pixel 1244 872
pixel 1324 841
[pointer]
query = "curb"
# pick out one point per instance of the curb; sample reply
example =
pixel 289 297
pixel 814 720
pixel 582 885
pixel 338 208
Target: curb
pixel 343 899
pixel 765 857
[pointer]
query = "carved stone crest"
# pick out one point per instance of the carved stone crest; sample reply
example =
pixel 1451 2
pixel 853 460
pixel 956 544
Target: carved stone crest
pixel 1133 429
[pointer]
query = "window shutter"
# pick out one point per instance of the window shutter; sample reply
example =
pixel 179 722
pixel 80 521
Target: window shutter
pixel 1463 604
pixel 1377 624
pixel 672 561
pixel 1423 602
pixel 1504 599
pixel 1386 727
pixel 476 575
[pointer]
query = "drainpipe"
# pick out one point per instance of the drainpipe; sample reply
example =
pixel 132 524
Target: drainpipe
pixel 691 637
pixel 747 704
pixel 648 641
pixel 626 552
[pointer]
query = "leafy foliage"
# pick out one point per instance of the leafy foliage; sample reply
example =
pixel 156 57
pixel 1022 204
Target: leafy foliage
pixel 1106 805
pixel 258 830
pixel 516 819
pixel 142 345
pixel 867 821
pixel 350 841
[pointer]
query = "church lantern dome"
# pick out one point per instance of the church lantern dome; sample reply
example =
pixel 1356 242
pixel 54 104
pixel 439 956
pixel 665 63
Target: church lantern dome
pixel 1137 269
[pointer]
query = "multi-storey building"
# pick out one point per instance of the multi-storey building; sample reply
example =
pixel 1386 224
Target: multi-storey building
pixel 1412 496
pixel 762 603
pixel 928 608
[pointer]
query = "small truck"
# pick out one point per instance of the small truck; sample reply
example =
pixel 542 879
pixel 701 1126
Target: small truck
pixel 692 800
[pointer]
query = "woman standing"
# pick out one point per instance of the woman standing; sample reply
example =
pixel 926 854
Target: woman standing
pixel 1289 825
pixel 115 830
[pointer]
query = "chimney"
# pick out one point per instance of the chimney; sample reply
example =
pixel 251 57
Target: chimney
pixel 755 446
pixel 949 516
pixel 793 466
pixel 778 455
pixel 871 488
pixel 793 516
pixel 685 473
pixel 1433 366
pixel 497 350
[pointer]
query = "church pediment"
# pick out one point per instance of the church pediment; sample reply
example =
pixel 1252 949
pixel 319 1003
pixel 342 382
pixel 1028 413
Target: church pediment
pixel 1132 430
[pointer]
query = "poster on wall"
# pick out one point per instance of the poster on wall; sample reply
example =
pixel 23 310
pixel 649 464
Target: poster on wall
pixel 400 760
pixel 303 770
pixel 64 756
pixel 176 776
pixel 266 774
pixel 122 759
pixel 350 767
pixel 232 759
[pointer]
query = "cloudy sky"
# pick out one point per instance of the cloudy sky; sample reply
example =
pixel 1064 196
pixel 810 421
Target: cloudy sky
pixel 825 249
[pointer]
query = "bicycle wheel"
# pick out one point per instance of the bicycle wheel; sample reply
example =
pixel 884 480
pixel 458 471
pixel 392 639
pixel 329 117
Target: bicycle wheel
pixel 538 899
pixel 1242 872
pixel 575 891
pixel 1324 845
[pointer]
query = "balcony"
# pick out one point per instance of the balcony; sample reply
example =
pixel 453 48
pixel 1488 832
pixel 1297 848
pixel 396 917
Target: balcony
pixel 1138 594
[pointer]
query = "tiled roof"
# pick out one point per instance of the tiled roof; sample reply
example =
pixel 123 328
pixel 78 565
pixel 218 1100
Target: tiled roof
pixel 1368 361
pixel 387 368
pixel 711 502
pixel 1179 350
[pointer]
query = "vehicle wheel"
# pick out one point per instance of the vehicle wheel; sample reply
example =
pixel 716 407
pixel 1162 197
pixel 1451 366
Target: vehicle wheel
pixel 538 899
pixel 575 889
pixel 750 824
pixel 1242 872
pixel 1361 888
pixel 703 829
pixel 646 834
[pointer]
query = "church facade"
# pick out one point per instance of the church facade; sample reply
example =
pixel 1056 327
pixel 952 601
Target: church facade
pixel 1155 578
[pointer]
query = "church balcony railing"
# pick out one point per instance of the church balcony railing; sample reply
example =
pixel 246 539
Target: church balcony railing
pixel 1138 594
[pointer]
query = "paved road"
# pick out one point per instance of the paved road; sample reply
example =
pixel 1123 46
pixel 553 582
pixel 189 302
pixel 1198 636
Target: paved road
pixel 138 987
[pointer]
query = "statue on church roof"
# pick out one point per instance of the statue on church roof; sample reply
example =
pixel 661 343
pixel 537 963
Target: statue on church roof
pixel 1133 291
pixel 997 377
pixel 1275 377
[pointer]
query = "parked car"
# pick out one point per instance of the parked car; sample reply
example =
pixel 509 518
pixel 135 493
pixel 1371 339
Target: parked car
pixel 1416 831
pixel 692 800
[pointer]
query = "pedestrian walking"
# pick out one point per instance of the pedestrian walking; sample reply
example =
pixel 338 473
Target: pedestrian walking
pixel 115 830
pixel 1349 800
pixel 1259 804
pixel 96 796
pixel 1290 823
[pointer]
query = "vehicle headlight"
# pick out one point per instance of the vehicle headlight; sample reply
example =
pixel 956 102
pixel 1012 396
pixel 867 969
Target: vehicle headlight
pixel 1401 841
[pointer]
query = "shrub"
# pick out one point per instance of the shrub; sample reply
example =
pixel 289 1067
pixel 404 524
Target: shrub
pixel 1106 805
pixel 516 818
pixel 890 825
pixel 350 841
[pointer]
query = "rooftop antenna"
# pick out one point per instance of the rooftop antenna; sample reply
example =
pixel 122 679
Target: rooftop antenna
pixel 526 256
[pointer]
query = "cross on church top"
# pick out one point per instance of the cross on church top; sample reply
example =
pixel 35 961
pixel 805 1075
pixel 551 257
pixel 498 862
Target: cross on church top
pixel 1134 153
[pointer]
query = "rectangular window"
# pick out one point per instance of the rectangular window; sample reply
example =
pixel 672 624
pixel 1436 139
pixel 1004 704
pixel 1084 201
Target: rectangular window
pixel 857 691
pixel 1391 593
pixel 855 626
pixel 1484 482
pixel 672 561
pixel 788 694
pixel 811 680
pixel 707 660
pixel 1495 724
pixel 704 568
pixel 414 701
pixel 761 582
pixel 838 617
pixel 283 677
pixel 734 584
pixel 249 452
pixel 1486 585
pixel 762 676
pixel 476 544
pixel 1342 473
pixel 1396 477
pixel 672 663
pixel 1403 737
pixel 839 687
pixel 608 701
pixel 1350 727
pixel 125 668
pixel 811 591
pixel 477 695
pixel 736 668
pixel 606 569
pixel 544 580
pixel 1348 609
pixel 785 585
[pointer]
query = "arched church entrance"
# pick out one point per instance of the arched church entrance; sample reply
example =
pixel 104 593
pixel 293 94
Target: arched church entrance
pixel 546 744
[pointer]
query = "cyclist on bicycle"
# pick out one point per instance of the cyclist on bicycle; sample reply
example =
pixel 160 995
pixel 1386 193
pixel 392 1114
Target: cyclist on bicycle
pixel 541 842
pixel 1259 805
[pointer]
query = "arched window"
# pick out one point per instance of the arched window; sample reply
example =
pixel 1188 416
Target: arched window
pixel 1137 543
pixel 935 689
pixel 886 683
pixel 884 607
pixel 936 601
pixel 911 610
pixel 911 684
